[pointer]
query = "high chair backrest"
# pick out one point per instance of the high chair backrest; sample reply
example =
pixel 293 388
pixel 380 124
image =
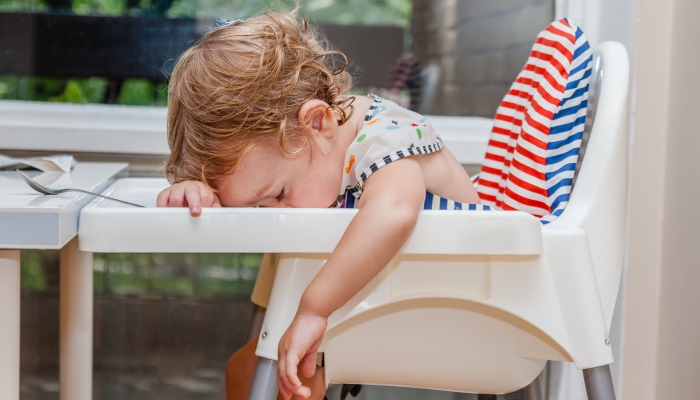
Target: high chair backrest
pixel 534 144
pixel 599 202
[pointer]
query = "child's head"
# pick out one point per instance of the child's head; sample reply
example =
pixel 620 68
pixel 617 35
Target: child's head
pixel 244 84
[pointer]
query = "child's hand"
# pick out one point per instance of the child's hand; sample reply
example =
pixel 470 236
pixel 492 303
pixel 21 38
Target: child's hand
pixel 298 347
pixel 192 194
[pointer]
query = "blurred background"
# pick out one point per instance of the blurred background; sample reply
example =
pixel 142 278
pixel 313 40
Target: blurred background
pixel 165 325
pixel 120 51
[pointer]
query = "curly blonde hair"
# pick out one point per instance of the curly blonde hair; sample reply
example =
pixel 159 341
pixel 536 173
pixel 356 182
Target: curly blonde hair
pixel 244 82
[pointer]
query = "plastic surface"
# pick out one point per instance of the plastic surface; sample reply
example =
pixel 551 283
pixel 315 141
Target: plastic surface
pixel 31 220
pixel 75 338
pixel 482 298
pixel 10 326
pixel 554 306
pixel 106 226
pixel 598 203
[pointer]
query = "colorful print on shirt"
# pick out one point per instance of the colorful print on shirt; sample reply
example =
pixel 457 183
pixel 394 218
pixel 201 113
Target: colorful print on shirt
pixel 389 132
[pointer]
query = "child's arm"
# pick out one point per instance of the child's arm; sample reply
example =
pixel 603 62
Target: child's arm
pixel 192 194
pixel 389 208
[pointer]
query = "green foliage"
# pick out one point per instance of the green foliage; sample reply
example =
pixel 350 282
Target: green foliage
pixel 165 275
pixel 140 92
pixel 82 91
pixel 102 7
pixel 362 12
pixel 40 89
pixel 9 87
pixel 89 90
pixel 182 9
pixel 23 5
pixel 359 12
pixel 342 12
pixel 143 92
pixel 136 92
pixel 32 271
pixel 153 276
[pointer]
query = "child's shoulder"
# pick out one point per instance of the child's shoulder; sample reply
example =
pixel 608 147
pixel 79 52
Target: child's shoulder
pixel 389 132
pixel 390 109
pixel 390 123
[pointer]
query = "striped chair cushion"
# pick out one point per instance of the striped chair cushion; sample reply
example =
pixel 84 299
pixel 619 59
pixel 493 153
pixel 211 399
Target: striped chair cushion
pixel 431 202
pixel 536 136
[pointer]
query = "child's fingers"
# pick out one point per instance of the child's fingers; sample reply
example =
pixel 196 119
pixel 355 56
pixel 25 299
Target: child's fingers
pixel 162 199
pixel 286 394
pixel 303 392
pixel 296 387
pixel 216 202
pixel 291 372
pixel 286 373
pixel 206 197
pixel 284 391
pixel 194 200
pixel 308 365
pixel 284 385
pixel 177 196
pixel 282 375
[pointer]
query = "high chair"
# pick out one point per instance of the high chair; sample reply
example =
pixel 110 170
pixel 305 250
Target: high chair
pixel 476 301
pixel 480 304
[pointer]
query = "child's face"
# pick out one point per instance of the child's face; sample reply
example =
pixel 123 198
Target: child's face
pixel 267 177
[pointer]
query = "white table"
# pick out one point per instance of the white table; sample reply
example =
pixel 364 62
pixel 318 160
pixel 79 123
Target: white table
pixel 29 220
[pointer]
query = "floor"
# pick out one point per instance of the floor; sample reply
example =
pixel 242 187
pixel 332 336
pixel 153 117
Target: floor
pixel 206 384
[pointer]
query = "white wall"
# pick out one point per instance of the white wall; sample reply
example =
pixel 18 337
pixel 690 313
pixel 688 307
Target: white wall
pixel 678 353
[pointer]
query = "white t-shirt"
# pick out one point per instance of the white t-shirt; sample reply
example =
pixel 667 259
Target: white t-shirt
pixel 390 132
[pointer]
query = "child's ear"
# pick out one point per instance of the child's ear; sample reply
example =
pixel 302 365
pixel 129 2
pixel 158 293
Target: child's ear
pixel 318 116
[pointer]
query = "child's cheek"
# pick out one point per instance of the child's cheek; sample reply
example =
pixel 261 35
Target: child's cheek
pixel 322 196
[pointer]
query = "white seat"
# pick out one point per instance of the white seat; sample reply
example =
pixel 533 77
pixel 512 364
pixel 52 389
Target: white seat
pixel 484 298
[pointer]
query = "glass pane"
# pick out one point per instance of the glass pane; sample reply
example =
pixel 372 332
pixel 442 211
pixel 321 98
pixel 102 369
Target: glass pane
pixel 39 325
pixel 78 56
pixel 164 324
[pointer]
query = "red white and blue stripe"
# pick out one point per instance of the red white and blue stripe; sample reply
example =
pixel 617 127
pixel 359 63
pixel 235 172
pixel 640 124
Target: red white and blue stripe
pixel 534 144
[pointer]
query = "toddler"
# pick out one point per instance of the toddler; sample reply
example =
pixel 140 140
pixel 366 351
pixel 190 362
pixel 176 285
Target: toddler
pixel 260 116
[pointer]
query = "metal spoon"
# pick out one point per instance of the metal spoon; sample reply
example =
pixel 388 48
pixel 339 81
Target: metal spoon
pixel 43 189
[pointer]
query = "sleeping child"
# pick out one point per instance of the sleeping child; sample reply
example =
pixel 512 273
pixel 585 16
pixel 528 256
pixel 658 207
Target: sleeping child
pixel 260 115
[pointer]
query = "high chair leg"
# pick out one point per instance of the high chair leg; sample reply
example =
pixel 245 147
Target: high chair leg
pixel 265 380
pixel 537 389
pixel 350 389
pixel 599 384
pixel 519 395
pixel 255 324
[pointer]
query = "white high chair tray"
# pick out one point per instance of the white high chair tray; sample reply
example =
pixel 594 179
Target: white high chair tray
pixel 107 226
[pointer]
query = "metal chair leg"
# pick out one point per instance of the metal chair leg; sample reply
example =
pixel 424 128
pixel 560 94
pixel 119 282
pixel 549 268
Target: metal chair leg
pixel 255 324
pixel 537 389
pixel 265 380
pixel 519 395
pixel 351 389
pixel 599 384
